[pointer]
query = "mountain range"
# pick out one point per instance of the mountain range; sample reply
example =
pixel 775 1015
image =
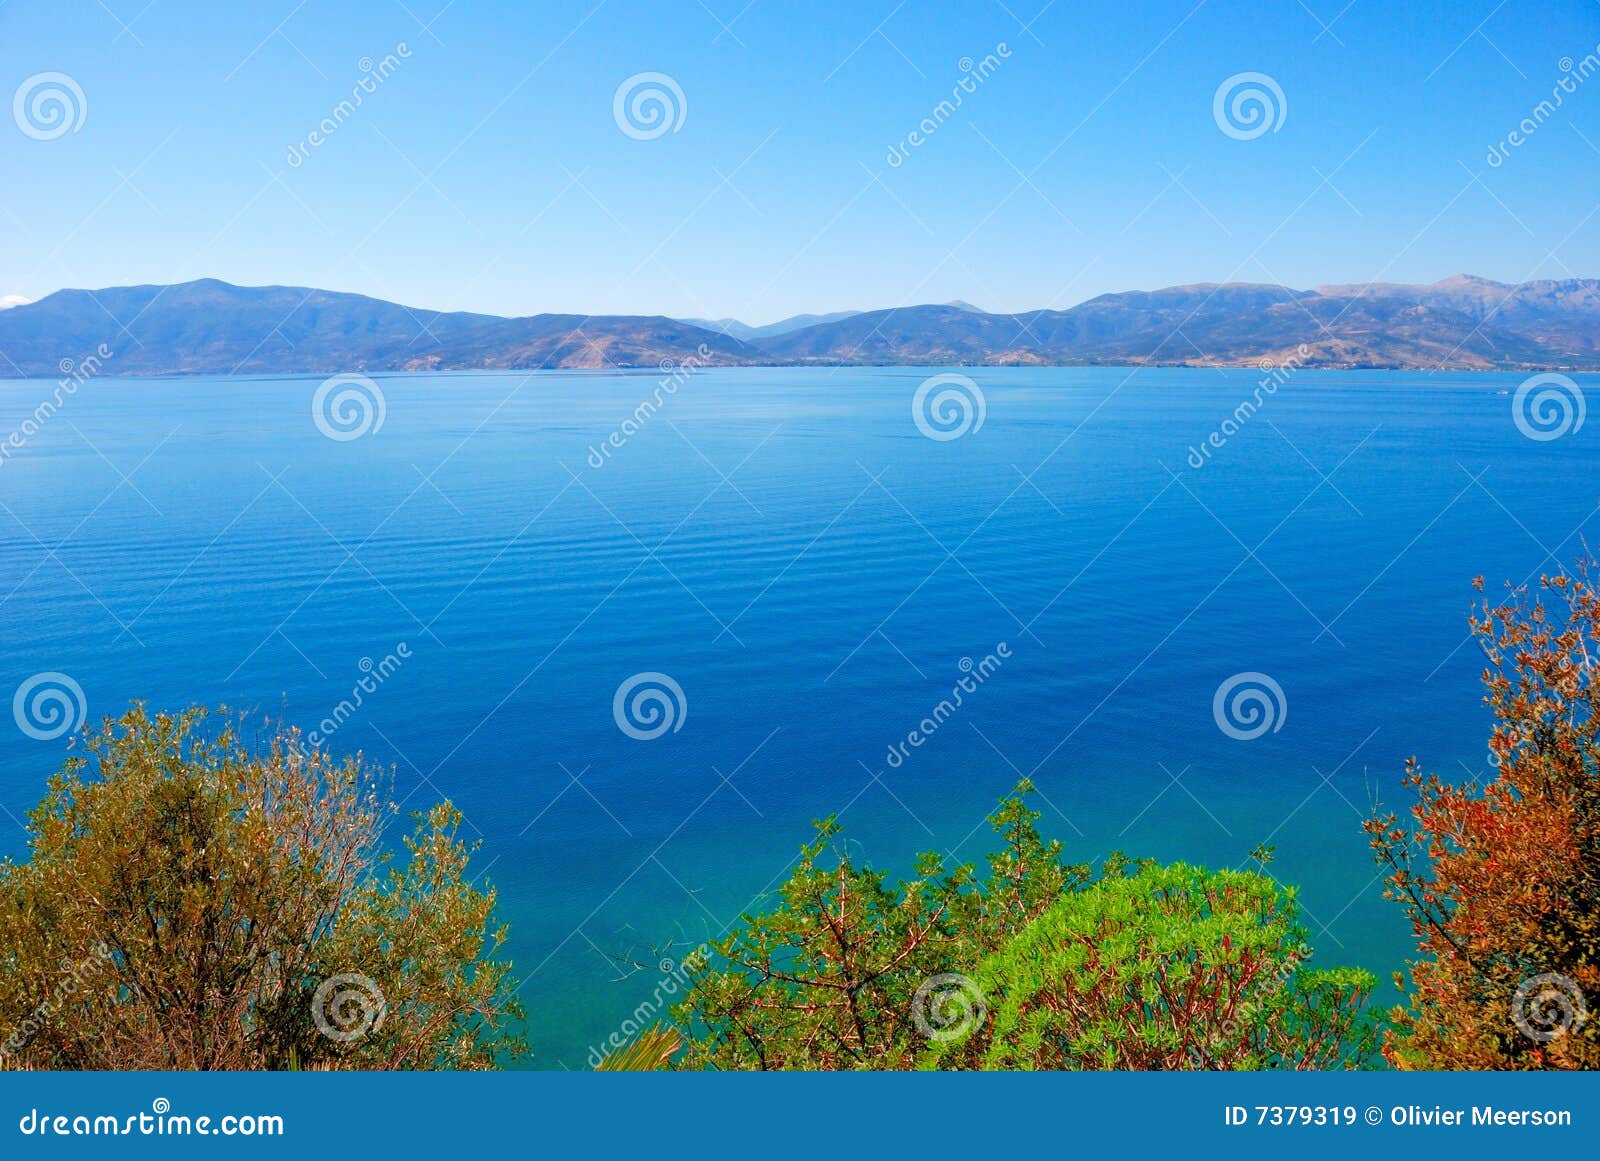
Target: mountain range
pixel 214 327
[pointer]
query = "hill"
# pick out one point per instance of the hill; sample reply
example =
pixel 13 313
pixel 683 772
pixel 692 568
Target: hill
pixel 213 327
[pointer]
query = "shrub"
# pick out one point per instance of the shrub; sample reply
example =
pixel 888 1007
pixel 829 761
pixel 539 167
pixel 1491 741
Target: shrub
pixel 826 979
pixel 1036 965
pixel 1501 880
pixel 1170 968
pixel 190 903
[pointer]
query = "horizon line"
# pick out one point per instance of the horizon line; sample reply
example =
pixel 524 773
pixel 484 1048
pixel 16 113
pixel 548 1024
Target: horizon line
pixel 710 323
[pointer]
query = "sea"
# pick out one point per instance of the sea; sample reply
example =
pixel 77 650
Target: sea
pixel 643 628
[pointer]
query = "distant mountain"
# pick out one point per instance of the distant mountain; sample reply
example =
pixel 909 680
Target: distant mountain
pixel 736 329
pixel 1135 327
pixel 217 328
pixel 213 327
pixel 908 334
pixel 1459 323
pixel 571 340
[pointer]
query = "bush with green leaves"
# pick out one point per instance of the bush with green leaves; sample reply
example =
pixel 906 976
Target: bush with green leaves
pixel 1038 964
pixel 825 980
pixel 1168 968
pixel 194 902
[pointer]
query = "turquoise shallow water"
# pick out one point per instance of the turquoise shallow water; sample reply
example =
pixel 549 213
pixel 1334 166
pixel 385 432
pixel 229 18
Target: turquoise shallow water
pixel 811 571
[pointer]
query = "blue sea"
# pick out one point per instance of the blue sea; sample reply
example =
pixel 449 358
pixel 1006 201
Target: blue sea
pixel 802 575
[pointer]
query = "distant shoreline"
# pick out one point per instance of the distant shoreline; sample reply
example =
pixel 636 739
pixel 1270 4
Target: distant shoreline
pixel 644 371
pixel 209 327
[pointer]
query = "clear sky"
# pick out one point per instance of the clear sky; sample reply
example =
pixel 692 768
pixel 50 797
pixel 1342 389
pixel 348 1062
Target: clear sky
pixel 488 170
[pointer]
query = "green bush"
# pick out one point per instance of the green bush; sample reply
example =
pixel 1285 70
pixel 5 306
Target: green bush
pixel 1169 968
pixel 1038 964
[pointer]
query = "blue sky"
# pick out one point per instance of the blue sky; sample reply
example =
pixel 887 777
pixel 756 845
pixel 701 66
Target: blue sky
pixel 488 171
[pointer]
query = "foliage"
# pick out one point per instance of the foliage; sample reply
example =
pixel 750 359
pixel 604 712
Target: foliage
pixel 650 1051
pixel 1501 880
pixel 192 903
pixel 826 979
pixel 1169 968
pixel 848 972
